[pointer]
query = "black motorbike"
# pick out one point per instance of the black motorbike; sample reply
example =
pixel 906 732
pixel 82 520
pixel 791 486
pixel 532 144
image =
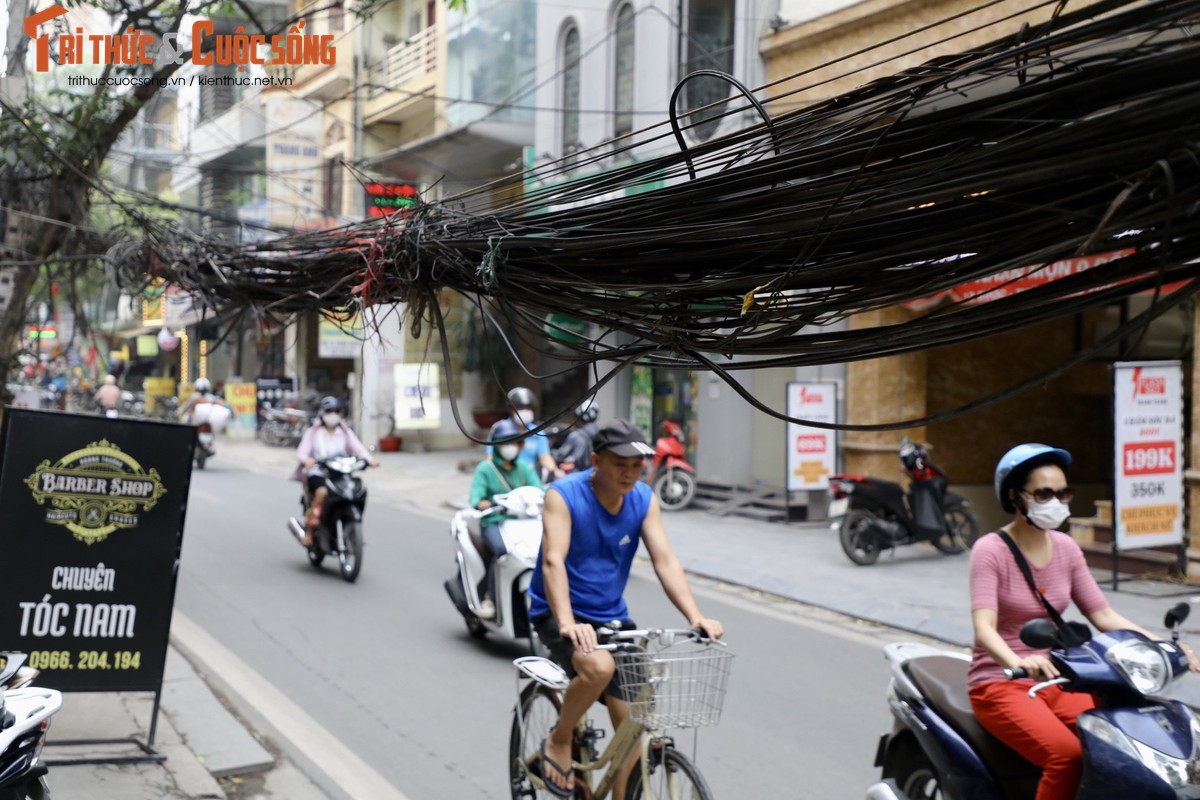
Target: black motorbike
pixel 880 515
pixel 339 530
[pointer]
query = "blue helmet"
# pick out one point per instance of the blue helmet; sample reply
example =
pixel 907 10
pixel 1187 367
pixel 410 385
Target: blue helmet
pixel 1017 463
pixel 504 429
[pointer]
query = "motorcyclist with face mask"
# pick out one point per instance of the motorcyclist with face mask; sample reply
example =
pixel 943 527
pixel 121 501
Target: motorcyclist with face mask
pixel 329 437
pixel 502 472
pixel 576 448
pixel 1031 484
pixel 536 450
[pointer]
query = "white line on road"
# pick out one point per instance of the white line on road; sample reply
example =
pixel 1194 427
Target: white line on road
pixel 345 769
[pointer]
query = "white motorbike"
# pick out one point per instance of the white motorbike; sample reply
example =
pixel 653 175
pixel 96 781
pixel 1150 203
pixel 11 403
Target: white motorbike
pixel 25 713
pixel 522 533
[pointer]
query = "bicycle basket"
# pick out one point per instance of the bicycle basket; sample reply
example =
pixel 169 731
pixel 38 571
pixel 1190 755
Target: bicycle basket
pixel 678 687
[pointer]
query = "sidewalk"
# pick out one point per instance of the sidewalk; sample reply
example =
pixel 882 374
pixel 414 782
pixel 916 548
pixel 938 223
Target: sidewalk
pixel 211 754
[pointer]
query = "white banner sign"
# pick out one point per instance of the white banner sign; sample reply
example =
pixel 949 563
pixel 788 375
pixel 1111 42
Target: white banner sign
pixel 1148 421
pixel 811 452
pixel 418 396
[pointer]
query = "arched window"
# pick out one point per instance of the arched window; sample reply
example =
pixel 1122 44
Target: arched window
pixel 623 72
pixel 570 89
pixel 709 46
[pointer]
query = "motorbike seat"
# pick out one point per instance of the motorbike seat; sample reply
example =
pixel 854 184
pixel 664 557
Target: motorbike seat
pixel 943 681
pixel 475 534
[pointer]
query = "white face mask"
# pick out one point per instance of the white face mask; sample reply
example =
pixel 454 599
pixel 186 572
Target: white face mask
pixel 525 415
pixel 331 420
pixel 509 452
pixel 1048 515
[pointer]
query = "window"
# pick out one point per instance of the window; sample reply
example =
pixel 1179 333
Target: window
pixel 709 46
pixel 623 72
pixel 570 90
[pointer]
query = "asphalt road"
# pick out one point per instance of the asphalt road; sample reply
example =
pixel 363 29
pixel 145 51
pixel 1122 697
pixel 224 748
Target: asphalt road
pixel 385 665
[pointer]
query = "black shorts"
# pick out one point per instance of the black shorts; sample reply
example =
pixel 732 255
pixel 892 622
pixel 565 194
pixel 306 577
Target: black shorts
pixel 314 482
pixel 562 649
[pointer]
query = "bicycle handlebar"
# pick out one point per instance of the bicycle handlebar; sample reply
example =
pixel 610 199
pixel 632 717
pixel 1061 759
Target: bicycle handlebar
pixel 665 635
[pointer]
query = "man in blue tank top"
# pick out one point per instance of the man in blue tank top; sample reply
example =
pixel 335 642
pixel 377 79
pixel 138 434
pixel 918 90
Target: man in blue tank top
pixel 592 523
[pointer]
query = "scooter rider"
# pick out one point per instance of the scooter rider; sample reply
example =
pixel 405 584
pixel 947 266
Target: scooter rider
pixel 329 437
pixel 202 393
pixel 576 449
pixel 536 449
pixel 1031 484
pixel 502 472
pixel 592 522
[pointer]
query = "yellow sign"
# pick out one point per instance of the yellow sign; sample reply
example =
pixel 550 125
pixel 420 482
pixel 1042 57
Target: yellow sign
pixel 156 388
pixel 243 402
pixel 810 471
pixel 95 491
pixel 1145 520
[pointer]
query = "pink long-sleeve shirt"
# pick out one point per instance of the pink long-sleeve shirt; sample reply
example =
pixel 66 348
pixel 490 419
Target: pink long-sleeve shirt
pixel 998 585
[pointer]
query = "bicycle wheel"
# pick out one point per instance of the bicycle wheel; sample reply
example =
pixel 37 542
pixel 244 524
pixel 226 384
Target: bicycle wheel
pixel 539 713
pixel 672 777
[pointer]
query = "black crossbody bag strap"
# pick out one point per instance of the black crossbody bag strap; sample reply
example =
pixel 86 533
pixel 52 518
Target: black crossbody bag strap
pixel 1028 573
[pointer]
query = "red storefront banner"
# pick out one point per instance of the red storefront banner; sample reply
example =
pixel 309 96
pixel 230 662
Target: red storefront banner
pixel 1014 281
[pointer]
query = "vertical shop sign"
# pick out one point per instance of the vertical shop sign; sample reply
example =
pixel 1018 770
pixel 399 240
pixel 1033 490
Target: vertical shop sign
pixel 93 515
pixel 418 396
pixel 811 452
pixel 1148 443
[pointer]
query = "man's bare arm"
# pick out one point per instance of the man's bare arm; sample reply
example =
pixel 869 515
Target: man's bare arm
pixel 670 572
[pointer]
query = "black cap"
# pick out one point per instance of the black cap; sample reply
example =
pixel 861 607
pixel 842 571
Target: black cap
pixel 622 438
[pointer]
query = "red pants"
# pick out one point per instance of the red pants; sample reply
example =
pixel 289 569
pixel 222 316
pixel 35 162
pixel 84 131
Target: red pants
pixel 1041 729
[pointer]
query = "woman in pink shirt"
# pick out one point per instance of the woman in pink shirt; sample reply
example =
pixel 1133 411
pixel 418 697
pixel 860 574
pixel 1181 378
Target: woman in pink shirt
pixel 1031 484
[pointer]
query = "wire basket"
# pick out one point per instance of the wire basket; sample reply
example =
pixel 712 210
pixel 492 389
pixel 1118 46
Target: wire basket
pixel 679 687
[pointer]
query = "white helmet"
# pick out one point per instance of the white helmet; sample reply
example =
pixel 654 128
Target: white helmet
pixel 203 385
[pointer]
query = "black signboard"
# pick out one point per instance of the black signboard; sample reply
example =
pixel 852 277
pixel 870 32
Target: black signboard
pixel 91 525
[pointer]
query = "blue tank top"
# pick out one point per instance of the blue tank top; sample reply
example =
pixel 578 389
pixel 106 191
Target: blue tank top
pixel 602 549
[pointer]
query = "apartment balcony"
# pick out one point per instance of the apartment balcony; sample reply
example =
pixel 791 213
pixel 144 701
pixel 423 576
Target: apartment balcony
pixel 323 82
pixel 220 139
pixel 403 84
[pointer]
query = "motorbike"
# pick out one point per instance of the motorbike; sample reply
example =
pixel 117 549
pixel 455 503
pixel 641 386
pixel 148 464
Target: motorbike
pixel 669 473
pixel 25 713
pixel 339 528
pixel 282 427
pixel 210 419
pixel 522 533
pixel 1135 743
pixel 877 515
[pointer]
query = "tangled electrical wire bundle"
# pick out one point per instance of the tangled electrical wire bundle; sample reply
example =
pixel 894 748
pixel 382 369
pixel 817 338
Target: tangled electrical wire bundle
pixel 1077 137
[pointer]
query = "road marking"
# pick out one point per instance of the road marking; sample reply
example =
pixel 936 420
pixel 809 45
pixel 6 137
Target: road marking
pixel 345 769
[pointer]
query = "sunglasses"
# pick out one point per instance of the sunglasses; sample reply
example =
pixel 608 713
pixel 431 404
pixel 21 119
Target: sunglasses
pixel 1043 494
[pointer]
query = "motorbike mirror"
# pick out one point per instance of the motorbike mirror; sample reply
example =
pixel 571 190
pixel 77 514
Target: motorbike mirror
pixel 1178 613
pixel 1039 633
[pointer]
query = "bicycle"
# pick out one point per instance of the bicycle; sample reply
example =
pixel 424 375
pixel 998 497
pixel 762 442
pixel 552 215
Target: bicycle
pixel 677 679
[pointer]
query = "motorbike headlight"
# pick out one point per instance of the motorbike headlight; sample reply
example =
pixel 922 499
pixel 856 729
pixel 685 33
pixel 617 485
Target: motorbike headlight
pixel 1143 665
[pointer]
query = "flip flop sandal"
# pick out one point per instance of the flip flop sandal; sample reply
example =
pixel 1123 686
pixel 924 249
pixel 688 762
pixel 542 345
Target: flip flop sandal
pixel 535 767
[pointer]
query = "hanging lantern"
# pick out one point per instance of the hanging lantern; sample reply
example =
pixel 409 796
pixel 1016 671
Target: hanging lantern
pixel 166 340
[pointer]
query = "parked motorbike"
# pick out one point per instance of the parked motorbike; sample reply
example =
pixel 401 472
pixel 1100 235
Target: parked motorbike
pixel 282 427
pixel 673 478
pixel 339 528
pixel 522 533
pixel 1135 743
pixel 878 515
pixel 25 713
